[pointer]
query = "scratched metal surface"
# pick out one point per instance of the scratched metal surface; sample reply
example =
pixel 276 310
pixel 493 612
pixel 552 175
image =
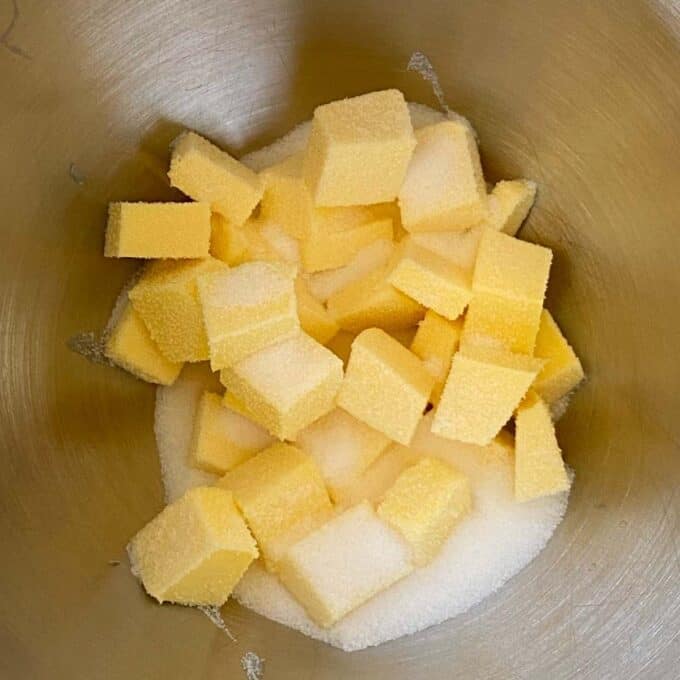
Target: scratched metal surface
pixel 581 96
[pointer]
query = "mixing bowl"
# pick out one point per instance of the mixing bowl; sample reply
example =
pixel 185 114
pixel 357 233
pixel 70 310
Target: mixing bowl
pixel 583 97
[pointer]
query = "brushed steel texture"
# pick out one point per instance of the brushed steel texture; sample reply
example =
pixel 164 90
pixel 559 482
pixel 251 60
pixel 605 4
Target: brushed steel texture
pixel 582 96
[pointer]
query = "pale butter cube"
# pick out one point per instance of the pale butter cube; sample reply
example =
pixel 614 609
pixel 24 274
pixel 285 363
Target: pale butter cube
pixel 483 389
pixel 223 438
pixel 166 298
pixel 129 345
pixel 508 287
pixel 315 319
pixel 435 343
pixel 444 188
pixel 509 204
pixel 228 242
pixel 424 504
pixel 457 247
pixel 343 564
pixel 195 551
pixel 431 280
pixel 359 149
pixel 343 448
pixel 247 308
pixel 205 173
pixel 539 469
pixel 374 256
pixel 373 301
pixel 158 230
pixel 282 497
pixel 288 385
pixel 386 386
pixel 562 371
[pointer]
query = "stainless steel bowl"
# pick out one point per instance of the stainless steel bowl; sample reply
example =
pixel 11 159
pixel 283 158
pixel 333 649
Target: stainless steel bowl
pixel 583 97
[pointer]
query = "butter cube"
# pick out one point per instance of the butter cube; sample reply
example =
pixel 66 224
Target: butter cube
pixel 434 344
pixel 509 204
pixel 228 242
pixel 129 345
pixel 288 385
pixel 343 447
pixel 323 284
pixel 206 173
pixel 359 149
pixel 424 505
pixel 315 319
pixel 385 386
pixel 247 308
pixel 195 551
pixel 223 438
pixel 344 563
pixel 431 280
pixel 373 301
pixel 444 188
pixel 539 469
pixel 508 289
pixel 158 230
pixel 166 298
pixel 282 497
pixel 562 371
pixel 484 387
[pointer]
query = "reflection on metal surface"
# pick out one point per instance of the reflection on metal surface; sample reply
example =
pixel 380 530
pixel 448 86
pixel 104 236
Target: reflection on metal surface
pixel 582 96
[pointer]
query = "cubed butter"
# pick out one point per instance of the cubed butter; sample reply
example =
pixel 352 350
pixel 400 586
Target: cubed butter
pixel 129 345
pixel 195 551
pixel 539 469
pixel 343 448
pixel 431 280
pixel 483 388
pixel 282 497
pixel 562 371
pixel 359 149
pixel 444 188
pixel 386 386
pixel 158 230
pixel 344 563
pixel 509 204
pixel 315 319
pixel 288 385
pixel 424 504
pixel 223 438
pixel 228 242
pixel 166 298
pixel 206 173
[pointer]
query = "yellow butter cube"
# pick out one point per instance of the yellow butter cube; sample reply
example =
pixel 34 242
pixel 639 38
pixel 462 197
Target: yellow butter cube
pixel 539 469
pixel 158 230
pixel 483 389
pixel 386 386
pixel 247 308
pixel 424 504
pixel 288 385
pixel 509 204
pixel 228 242
pixel 206 173
pixel 431 280
pixel 359 149
pixel 195 551
pixel 315 319
pixel 129 345
pixel 166 298
pixel 434 344
pixel 282 497
pixel 444 188
pixel 223 438
pixel 235 404
pixel 373 301
pixel 508 286
pixel 562 371
pixel 344 563
pixel 343 447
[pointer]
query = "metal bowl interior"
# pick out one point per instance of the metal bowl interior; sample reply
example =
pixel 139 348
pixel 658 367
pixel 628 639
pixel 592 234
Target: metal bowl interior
pixel 583 97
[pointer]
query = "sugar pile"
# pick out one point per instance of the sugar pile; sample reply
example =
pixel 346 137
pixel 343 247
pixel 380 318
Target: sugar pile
pixel 493 543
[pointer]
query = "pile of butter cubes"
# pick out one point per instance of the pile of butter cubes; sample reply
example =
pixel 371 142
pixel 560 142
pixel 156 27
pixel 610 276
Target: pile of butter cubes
pixel 300 284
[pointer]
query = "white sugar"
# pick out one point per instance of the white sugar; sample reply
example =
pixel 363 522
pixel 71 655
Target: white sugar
pixel 249 284
pixel 242 431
